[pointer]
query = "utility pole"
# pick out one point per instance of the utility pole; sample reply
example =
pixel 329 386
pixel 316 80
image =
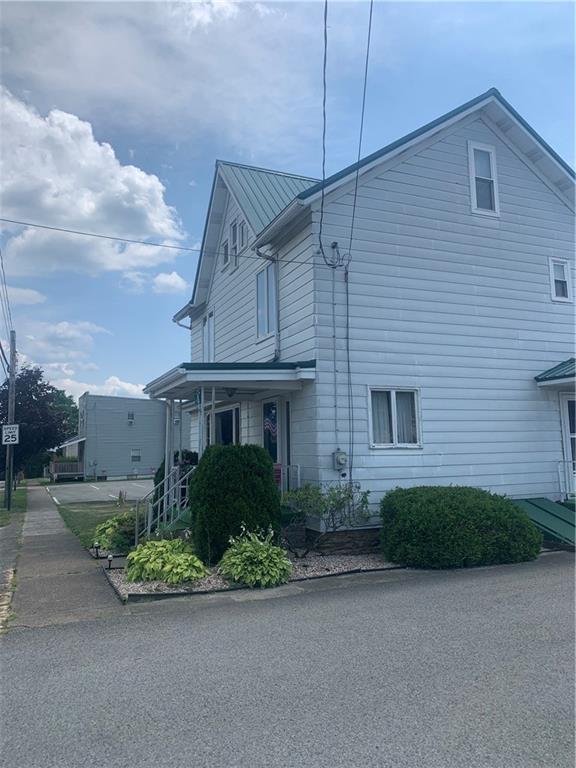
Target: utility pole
pixel 9 474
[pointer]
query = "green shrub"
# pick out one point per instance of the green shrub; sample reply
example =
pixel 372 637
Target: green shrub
pixel 253 559
pixel 454 527
pixel 170 561
pixel 117 533
pixel 232 486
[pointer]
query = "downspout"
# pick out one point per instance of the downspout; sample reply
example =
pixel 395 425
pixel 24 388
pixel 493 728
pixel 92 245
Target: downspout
pixel 277 291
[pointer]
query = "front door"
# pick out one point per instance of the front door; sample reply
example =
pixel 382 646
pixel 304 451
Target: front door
pixel 568 408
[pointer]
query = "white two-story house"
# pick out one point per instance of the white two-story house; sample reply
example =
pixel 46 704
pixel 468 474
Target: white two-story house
pixel 409 321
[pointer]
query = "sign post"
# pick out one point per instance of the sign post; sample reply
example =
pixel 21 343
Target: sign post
pixel 12 434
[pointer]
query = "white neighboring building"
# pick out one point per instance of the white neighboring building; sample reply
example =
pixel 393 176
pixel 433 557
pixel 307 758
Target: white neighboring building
pixel 414 360
pixel 121 437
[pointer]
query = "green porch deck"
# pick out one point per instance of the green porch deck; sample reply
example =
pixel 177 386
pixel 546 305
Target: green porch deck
pixel 555 520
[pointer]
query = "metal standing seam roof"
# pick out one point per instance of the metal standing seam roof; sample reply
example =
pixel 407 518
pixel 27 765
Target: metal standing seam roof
pixel 565 370
pixel 262 194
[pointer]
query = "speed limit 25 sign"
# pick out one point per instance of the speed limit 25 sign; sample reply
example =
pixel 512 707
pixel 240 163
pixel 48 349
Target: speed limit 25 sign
pixel 10 434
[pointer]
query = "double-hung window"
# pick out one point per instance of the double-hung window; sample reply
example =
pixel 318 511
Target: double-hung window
pixel 243 236
pixel 560 287
pixel 135 455
pixel 266 300
pixel 208 338
pixel 394 421
pixel 225 254
pixel 483 180
pixel 234 242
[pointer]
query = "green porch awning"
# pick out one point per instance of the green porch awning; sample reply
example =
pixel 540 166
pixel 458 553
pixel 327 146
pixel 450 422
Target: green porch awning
pixel 559 374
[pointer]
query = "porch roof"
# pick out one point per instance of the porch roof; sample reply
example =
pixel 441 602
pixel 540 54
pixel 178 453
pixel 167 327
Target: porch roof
pixel 181 382
pixel 559 374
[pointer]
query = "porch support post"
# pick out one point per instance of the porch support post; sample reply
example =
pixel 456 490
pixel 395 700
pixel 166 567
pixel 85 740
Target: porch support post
pixel 168 453
pixel 213 419
pixel 201 424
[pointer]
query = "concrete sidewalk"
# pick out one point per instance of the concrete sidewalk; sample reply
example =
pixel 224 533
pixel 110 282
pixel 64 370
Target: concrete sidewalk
pixel 56 580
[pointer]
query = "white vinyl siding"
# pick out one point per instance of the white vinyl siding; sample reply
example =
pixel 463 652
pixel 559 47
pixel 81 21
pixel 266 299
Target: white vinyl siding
pixel 393 418
pixel 454 305
pixel 560 284
pixel 266 300
pixel 483 181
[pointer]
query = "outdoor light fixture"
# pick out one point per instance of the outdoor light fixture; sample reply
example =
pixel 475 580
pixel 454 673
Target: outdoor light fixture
pixel 110 561
pixel 96 548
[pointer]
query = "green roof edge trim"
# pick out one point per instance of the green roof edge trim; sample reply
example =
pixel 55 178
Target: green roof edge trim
pixel 270 366
pixel 419 131
pixel 564 370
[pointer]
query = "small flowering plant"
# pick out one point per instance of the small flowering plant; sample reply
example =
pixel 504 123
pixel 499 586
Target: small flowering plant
pixel 252 559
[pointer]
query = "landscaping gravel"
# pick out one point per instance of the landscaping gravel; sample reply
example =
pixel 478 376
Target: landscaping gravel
pixel 312 566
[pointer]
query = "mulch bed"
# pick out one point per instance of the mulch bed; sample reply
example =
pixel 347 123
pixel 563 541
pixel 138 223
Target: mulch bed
pixel 313 566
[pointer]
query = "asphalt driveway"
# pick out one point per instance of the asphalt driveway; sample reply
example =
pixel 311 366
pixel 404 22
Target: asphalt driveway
pixel 73 493
pixel 401 669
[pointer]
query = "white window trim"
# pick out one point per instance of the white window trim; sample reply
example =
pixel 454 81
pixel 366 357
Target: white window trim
pixel 566 264
pixel 393 446
pixel 472 145
pixel 269 333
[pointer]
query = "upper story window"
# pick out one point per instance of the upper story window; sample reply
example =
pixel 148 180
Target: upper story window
pixel 130 417
pixel 242 234
pixel 394 418
pixel 483 179
pixel 225 253
pixel 560 280
pixel 266 300
pixel 234 242
pixel 208 338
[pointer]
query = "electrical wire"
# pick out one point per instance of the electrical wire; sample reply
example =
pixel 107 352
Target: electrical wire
pixel 137 242
pixel 324 94
pixel 4 299
pixel 347 268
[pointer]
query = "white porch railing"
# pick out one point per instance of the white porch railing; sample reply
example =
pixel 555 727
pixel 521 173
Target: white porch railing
pixel 163 504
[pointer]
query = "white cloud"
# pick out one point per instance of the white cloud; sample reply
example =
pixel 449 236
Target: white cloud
pixel 245 72
pixel 169 282
pixel 54 171
pixel 111 386
pixel 24 296
pixel 60 343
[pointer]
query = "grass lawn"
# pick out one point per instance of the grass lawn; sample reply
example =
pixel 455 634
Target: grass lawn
pixel 18 505
pixel 82 519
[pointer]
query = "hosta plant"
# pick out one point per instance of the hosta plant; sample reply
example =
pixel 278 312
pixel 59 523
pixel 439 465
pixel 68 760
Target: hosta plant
pixel 253 559
pixel 170 561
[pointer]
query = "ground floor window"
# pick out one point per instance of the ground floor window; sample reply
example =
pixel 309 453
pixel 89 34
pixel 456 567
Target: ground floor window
pixel 135 455
pixel 394 420
pixel 226 427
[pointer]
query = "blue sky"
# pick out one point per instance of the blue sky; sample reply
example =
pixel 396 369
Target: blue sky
pixel 113 115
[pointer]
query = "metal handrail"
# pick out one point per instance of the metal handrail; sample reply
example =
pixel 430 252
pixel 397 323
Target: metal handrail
pixel 163 510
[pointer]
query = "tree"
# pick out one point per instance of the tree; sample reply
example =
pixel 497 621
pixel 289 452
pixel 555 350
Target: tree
pixel 47 416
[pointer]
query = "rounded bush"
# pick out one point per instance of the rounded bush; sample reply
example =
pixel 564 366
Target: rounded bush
pixel 253 559
pixel 171 561
pixel 232 487
pixel 117 533
pixel 454 527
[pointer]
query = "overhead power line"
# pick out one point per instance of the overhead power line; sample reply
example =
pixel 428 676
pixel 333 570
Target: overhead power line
pixel 189 249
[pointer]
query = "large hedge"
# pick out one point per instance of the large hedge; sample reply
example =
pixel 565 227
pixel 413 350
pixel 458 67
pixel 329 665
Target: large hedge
pixel 232 486
pixel 454 527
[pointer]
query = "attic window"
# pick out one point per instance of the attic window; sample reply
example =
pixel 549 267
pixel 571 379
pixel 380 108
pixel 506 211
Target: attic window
pixel 234 242
pixel 225 253
pixel 483 181
pixel 243 236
